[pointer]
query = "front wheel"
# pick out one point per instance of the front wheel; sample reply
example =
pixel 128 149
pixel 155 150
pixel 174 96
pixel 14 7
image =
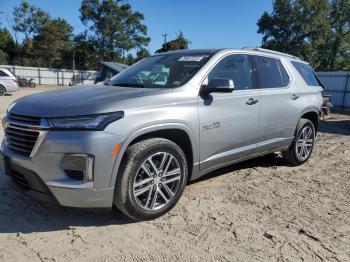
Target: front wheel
pixel 151 180
pixel 303 144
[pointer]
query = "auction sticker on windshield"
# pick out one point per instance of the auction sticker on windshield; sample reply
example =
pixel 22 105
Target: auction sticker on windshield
pixel 191 58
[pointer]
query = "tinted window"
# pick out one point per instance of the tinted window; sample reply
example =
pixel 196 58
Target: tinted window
pixel 2 73
pixel 284 74
pixel 307 73
pixel 236 68
pixel 269 73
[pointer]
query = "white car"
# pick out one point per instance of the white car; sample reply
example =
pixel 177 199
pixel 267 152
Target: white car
pixel 8 82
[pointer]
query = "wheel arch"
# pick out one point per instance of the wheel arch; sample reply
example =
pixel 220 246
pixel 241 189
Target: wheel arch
pixel 180 134
pixel 3 87
pixel 313 116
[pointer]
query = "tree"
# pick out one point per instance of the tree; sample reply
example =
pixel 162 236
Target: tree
pixel 85 53
pixel 141 54
pixel 28 18
pixel 114 27
pixel 340 22
pixel 307 29
pixel 129 60
pixel 8 47
pixel 177 44
pixel 53 38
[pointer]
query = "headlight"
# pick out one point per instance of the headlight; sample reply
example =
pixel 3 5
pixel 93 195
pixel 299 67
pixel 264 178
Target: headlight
pixel 89 122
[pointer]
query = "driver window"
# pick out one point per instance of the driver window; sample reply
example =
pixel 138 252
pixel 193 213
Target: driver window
pixel 236 68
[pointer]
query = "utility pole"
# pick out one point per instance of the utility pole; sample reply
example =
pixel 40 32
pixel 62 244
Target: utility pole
pixel 73 66
pixel 165 35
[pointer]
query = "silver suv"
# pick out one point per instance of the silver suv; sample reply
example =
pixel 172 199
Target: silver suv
pixel 136 141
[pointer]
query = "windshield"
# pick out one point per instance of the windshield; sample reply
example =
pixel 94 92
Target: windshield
pixel 161 71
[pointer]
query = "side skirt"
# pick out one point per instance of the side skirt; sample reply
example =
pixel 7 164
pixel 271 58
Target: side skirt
pixel 262 148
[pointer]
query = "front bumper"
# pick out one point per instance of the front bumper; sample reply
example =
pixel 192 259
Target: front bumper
pixel 46 180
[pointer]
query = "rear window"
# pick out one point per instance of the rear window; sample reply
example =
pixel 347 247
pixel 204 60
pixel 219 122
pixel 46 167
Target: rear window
pixel 284 74
pixel 306 73
pixel 270 72
pixel 2 73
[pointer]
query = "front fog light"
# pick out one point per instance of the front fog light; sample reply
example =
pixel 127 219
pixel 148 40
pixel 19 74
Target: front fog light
pixel 78 166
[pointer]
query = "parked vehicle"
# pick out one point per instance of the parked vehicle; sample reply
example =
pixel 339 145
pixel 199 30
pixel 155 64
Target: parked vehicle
pixel 108 70
pixel 162 122
pixel 24 82
pixel 8 82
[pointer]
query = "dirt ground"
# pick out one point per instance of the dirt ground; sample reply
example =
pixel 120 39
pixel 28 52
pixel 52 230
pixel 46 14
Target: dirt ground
pixel 260 210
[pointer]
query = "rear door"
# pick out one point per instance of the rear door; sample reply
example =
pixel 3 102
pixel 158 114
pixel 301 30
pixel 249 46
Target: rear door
pixel 280 103
pixel 311 96
pixel 229 121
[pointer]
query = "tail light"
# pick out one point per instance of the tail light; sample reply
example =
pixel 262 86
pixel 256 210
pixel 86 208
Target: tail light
pixel 15 81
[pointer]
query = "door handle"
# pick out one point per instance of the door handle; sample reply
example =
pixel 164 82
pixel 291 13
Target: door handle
pixel 251 101
pixel 294 97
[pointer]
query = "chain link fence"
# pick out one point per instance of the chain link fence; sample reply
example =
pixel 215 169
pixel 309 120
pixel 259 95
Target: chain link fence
pixel 52 76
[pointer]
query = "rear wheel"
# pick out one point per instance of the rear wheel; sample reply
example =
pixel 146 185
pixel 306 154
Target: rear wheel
pixel 303 143
pixel 2 90
pixel 151 180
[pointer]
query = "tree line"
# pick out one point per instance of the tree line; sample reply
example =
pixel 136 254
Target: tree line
pixel 318 31
pixel 112 31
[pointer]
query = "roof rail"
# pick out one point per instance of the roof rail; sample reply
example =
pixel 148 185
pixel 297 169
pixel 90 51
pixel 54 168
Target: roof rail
pixel 270 51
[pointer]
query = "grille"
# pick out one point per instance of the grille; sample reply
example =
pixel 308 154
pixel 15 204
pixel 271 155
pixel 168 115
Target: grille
pixel 19 136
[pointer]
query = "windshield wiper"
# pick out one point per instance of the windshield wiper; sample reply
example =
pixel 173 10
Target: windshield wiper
pixel 128 84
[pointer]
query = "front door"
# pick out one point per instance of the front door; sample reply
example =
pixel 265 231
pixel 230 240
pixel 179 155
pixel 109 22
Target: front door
pixel 229 121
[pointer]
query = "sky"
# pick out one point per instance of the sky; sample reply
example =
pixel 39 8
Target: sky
pixel 206 23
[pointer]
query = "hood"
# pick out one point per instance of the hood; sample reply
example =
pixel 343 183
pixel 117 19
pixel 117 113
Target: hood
pixel 78 101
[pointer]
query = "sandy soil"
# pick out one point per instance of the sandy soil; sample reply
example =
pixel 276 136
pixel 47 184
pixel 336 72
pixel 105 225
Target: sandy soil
pixel 260 210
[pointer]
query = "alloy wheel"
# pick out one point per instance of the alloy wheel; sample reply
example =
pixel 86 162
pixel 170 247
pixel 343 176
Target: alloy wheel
pixel 305 143
pixel 157 181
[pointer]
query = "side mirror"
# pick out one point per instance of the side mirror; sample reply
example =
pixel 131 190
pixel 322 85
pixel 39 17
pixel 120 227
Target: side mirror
pixel 218 85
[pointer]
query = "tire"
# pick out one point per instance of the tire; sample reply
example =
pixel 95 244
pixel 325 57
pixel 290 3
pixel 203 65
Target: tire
pixel 2 90
pixel 140 193
pixel 301 149
pixel 32 85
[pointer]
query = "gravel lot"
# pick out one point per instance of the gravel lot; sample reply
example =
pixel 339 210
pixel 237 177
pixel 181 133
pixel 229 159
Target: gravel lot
pixel 260 210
